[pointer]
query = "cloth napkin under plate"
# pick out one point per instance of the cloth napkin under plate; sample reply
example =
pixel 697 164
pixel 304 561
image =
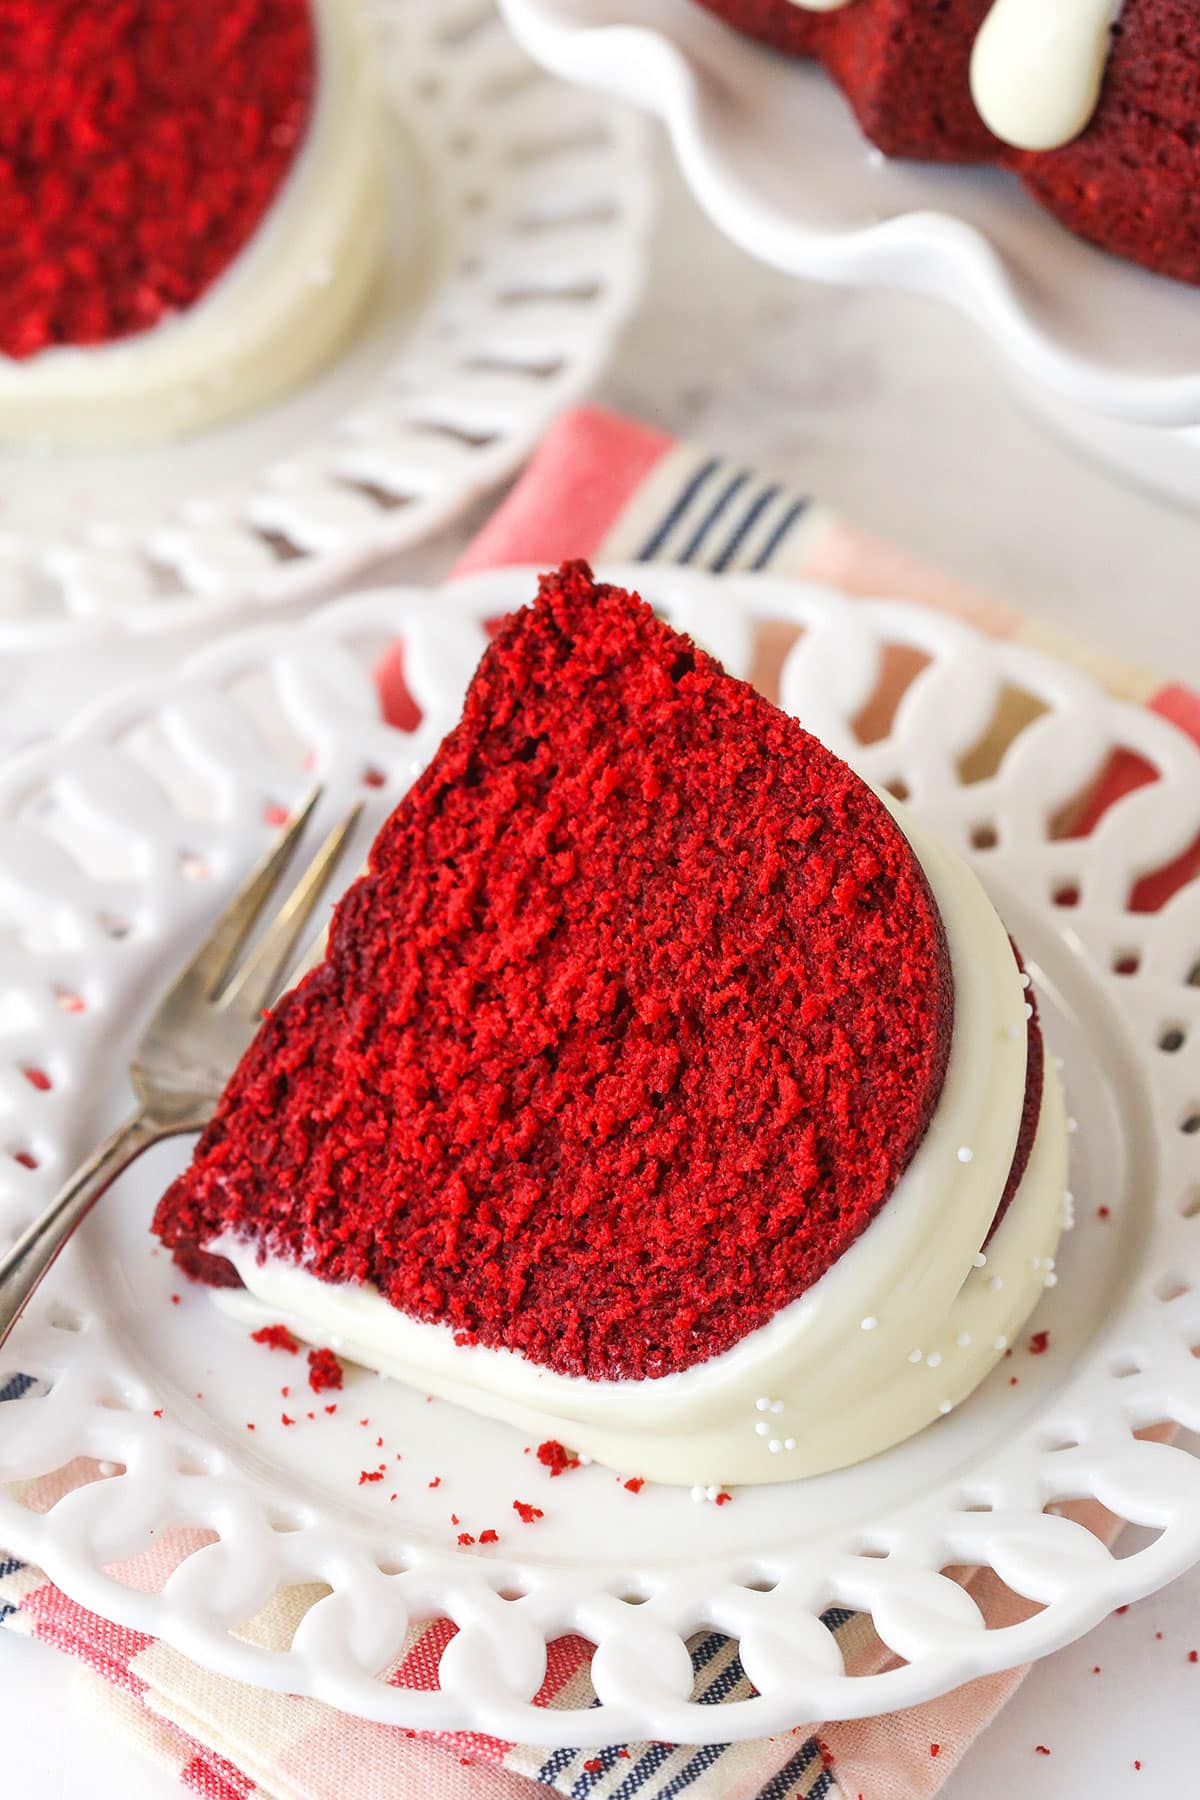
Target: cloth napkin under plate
pixel 613 490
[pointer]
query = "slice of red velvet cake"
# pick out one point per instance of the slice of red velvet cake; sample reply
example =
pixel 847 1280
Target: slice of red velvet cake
pixel 645 1009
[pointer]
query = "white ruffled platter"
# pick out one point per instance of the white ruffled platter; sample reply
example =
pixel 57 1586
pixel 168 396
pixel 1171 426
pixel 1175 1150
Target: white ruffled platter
pixel 519 219
pixel 122 837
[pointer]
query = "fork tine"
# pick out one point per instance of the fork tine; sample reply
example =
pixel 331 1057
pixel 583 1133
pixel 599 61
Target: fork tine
pixel 215 957
pixel 260 976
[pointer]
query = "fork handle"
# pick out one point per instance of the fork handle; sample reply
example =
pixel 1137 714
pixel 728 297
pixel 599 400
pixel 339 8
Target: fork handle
pixel 22 1267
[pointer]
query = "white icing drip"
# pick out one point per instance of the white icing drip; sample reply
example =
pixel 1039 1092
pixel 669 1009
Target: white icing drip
pixel 911 1274
pixel 1037 66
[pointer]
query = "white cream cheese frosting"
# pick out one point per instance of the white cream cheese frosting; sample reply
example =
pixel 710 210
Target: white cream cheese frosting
pixel 281 310
pixel 1036 66
pixel 903 1326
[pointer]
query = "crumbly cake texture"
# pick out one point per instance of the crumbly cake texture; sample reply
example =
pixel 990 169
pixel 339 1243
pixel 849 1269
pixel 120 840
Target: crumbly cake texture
pixel 1130 182
pixel 141 144
pixel 629 1030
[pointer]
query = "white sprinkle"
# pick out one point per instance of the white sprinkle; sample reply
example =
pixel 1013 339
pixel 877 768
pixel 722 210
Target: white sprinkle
pixel 712 1492
pixel 914 1356
pixel 1058 1062
pixel 1026 979
pixel 698 1495
pixel 584 1461
pixel 945 1407
pixel 777 1406
pixel 1035 1263
pixel 336 1341
pixel 980 1260
pixel 870 1322
pixel 1051 1280
pixel 1049 1264
pixel 762 1428
pixel 1072 1124
pixel 762 1405
pixel 774 1446
pixel 934 1359
pixel 789 1443
pixel 1028 1010
pixel 963 1340
pixel 1013 1031
pixel 1068 1213
pixel 995 1283
pixel 966 1154
pixel 1000 1343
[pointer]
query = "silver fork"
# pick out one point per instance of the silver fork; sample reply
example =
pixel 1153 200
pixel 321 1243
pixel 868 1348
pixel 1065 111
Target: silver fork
pixel 190 1046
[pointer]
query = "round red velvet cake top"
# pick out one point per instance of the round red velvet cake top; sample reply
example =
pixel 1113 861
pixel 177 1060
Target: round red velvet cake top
pixel 141 142
pixel 638 1015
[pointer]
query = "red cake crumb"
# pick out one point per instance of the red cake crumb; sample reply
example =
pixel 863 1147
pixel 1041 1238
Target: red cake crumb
pixel 526 1513
pixel 140 146
pixel 489 1536
pixel 631 1027
pixel 1041 1750
pixel 285 1420
pixel 464 1537
pixel 935 1749
pixel 636 1483
pixel 594 1766
pixel 275 1337
pixel 723 1499
pixel 556 1457
pixel 1039 1343
pixel 370 1475
pixel 324 1371
pixel 436 1482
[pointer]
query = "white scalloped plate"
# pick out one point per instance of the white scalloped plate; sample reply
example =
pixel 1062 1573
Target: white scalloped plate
pixel 521 216
pixel 119 840
pixel 772 152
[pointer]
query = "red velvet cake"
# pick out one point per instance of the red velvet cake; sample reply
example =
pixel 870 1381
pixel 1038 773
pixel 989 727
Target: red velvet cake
pixel 1094 104
pixel 140 147
pixel 639 1016
pixel 183 184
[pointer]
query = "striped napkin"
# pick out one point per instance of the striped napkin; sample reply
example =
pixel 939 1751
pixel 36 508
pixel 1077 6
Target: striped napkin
pixel 612 490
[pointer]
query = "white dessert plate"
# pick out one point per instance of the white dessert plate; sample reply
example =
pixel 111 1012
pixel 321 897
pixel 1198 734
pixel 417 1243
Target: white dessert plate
pixel 120 839
pixel 519 235
pixel 771 151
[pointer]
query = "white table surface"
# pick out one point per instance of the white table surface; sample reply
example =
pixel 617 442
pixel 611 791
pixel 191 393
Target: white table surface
pixel 895 411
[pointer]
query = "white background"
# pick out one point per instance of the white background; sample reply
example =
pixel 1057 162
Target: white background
pixel 896 412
